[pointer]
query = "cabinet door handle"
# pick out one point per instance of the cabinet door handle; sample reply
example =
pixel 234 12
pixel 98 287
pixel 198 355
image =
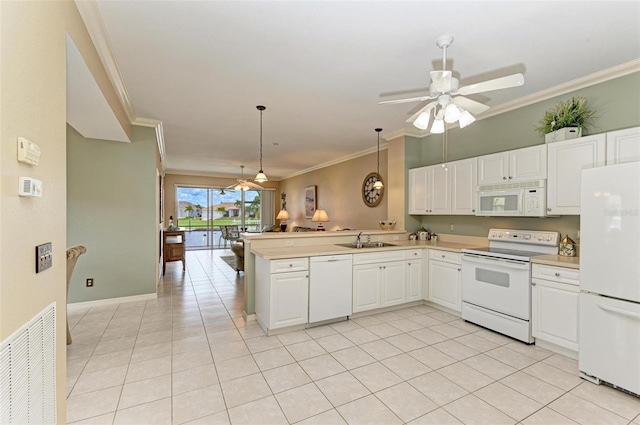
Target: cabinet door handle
pixel 473 210
pixel 510 177
pixel 459 270
pixel 443 256
pixel 549 209
pixel 533 284
pixel 504 178
pixel 557 274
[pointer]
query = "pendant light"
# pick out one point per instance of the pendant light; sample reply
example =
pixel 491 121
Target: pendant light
pixel 261 177
pixel 378 184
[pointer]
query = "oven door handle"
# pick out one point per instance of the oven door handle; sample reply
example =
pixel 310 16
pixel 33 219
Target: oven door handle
pixel 504 262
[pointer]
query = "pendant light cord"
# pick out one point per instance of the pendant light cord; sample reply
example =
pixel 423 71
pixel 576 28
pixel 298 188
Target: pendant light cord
pixel 261 140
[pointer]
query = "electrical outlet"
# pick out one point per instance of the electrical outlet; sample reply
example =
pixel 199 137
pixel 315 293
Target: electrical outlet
pixel 288 243
pixel 44 257
pixel 451 227
pixel 89 282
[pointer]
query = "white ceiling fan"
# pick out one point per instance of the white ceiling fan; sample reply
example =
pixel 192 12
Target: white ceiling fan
pixel 449 96
pixel 242 184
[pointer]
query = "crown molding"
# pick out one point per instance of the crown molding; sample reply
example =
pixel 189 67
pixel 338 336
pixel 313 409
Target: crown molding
pixel 368 151
pixel 148 122
pixel 92 18
pixel 564 88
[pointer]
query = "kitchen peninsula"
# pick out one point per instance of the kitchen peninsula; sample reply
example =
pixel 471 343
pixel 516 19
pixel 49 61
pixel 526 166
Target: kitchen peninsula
pixel 396 271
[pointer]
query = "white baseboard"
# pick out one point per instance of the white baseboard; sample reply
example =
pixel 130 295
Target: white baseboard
pixel 110 301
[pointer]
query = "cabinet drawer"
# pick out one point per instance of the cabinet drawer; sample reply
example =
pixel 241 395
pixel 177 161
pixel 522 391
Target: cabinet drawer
pixel 290 265
pixel 378 257
pixel 446 256
pixel 413 254
pixel 556 274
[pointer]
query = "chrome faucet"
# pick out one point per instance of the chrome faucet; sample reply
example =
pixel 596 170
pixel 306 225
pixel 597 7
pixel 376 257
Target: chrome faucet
pixel 358 243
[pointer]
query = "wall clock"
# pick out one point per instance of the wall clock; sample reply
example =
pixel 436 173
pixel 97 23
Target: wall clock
pixel 371 196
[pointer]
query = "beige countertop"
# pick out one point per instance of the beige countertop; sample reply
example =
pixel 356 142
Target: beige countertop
pixel 557 260
pixel 327 249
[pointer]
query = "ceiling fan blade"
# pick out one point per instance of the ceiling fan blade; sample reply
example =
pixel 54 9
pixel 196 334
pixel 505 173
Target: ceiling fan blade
pixel 470 105
pixel 408 100
pixel 514 80
pixel 426 108
pixel 441 80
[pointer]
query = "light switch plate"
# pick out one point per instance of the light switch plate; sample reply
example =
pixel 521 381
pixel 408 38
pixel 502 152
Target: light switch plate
pixel 44 257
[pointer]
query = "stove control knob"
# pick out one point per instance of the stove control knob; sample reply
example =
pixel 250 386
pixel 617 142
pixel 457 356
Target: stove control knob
pixel 501 234
pixel 540 237
pixel 527 237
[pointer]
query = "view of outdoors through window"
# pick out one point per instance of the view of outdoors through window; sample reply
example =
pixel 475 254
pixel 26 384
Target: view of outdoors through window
pixel 207 215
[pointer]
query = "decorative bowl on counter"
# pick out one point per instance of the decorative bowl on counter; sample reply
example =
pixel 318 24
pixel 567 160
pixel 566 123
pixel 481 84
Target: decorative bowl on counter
pixel 387 224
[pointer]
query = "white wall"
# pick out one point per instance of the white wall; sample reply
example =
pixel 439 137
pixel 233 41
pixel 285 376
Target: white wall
pixel 33 105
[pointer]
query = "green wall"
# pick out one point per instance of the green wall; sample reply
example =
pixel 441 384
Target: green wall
pixel 111 209
pixel 617 106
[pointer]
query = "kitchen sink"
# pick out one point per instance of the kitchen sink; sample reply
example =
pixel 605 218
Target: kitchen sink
pixel 365 245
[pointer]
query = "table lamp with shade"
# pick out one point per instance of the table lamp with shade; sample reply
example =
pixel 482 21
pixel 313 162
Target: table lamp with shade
pixel 319 217
pixel 283 216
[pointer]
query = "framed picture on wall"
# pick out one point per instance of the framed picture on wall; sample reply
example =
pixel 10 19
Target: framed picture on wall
pixel 309 201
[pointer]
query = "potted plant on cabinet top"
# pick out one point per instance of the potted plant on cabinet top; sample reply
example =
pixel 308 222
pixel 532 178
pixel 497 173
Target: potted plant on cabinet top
pixel 566 120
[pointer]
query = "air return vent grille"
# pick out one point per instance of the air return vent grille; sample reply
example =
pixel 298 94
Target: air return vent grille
pixel 28 372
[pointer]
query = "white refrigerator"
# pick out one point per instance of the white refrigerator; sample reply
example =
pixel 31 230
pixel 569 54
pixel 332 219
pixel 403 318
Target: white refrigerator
pixel 609 345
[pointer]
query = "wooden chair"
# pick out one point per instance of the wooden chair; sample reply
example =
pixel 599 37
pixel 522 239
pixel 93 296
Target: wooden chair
pixel 172 248
pixel 73 254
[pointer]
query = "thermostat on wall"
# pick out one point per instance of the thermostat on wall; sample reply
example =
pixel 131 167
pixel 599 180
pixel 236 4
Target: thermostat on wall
pixel 28 186
pixel 28 152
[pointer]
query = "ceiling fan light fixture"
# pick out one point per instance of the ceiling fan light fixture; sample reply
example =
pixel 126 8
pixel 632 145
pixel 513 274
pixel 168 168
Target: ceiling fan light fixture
pixel 452 113
pixel 422 122
pixel 465 119
pixel 438 126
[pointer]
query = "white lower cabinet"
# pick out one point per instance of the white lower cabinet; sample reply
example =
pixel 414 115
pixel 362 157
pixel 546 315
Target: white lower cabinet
pixel 414 275
pixel 384 279
pixel 445 279
pixel 554 304
pixel 282 292
pixel 366 287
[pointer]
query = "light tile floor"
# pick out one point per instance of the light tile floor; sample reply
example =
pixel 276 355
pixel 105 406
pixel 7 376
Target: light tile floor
pixel 189 357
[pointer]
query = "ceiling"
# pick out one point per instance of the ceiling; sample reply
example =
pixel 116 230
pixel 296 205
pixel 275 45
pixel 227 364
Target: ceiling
pixel 321 67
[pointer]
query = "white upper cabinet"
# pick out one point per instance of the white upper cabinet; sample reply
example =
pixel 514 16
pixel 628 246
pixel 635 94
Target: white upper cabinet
pixel 528 164
pixel 441 190
pixel 566 160
pixel 494 168
pixel 418 196
pixel 623 146
pixel 463 176
pixel 429 190
pixel 440 193
pixel 513 166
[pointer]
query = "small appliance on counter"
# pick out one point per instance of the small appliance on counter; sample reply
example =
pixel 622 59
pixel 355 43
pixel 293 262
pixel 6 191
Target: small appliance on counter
pixel 567 247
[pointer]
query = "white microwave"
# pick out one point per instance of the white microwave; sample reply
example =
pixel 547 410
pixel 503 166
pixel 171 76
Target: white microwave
pixel 525 199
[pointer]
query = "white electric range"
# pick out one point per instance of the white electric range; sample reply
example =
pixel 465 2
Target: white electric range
pixel 496 280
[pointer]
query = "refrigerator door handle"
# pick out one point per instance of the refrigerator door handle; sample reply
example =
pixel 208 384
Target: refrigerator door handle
pixel 620 311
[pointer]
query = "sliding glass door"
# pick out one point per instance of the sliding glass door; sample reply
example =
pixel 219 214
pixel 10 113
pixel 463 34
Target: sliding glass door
pixel 204 212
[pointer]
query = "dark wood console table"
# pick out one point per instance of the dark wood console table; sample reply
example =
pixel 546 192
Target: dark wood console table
pixel 173 248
